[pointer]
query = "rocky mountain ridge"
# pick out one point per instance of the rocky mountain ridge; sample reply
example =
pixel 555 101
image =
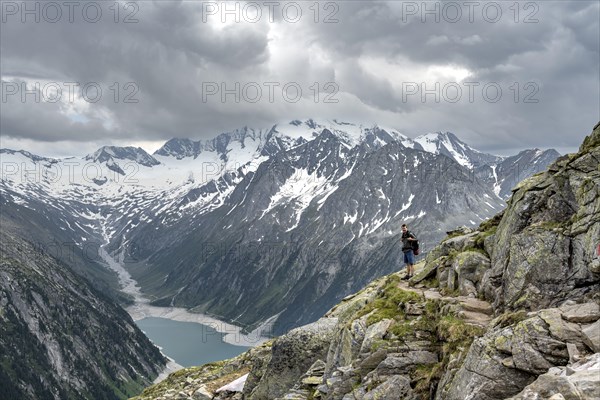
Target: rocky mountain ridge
pixel 508 310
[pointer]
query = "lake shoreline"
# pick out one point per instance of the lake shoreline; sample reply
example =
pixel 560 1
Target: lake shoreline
pixel 141 308
pixel 233 334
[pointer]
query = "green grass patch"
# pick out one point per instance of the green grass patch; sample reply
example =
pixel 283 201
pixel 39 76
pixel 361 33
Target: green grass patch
pixel 426 376
pixel 455 337
pixel 509 318
pixel 455 333
pixel 491 224
pixel 389 303
pixel 479 250
pixel 480 238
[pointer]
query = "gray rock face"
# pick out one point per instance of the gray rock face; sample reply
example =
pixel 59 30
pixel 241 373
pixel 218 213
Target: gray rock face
pixel 582 313
pixel 398 364
pixel 202 394
pixel 457 264
pixel 579 381
pixel 470 267
pixel 544 247
pixel 507 173
pixel 292 355
pixel 395 387
pixel 591 335
pixel 507 359
pixel 373 333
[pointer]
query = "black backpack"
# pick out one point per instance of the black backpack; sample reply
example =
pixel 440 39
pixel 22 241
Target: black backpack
pixel 415 246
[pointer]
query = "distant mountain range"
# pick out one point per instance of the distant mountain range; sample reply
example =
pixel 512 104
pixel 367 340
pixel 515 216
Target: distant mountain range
pixel 258 225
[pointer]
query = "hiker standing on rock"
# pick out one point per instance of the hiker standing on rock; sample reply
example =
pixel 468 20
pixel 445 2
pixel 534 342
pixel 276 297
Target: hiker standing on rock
pixel 408 241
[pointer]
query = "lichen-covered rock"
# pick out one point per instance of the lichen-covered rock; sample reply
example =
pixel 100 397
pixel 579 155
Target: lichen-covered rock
pixel 579 381
pixel 374 332
pixel 199 383
pixel 546 241
pixel 398 364
pixel 442 256
pixel 259 367
pixel 292 355
pixel 394 388
pixel 591 336
pixel 308 383
pixel 202 394
pixel 582 313
pixel 470 267
pixel 508 358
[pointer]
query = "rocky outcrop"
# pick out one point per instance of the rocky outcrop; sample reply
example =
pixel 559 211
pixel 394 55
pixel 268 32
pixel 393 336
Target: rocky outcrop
pixel 578 381
pixel 459 264
pixel 509 357
pixel 545 247
pixel 202 383
pixel 539 252
pixel 292 355
pixel 386 341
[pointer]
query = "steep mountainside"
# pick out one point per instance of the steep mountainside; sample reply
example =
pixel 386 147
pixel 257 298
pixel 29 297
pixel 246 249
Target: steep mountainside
pixel 510 310
pixel 60 338
pixel 448 144
pixel 59 229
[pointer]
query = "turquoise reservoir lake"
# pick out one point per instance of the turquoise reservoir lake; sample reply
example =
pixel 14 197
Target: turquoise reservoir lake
pixel 188 343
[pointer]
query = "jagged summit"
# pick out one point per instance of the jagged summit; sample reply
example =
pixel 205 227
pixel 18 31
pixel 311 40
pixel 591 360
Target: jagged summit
pixel 285 135
pixel 282 136
pixel 113 153
pixel 179 148
pixel 243 142
pixel 448 144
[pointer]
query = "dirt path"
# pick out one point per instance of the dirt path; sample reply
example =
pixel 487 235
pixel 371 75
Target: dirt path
pixel 472 310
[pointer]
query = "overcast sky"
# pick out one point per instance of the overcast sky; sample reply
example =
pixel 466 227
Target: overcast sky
pixel 373 59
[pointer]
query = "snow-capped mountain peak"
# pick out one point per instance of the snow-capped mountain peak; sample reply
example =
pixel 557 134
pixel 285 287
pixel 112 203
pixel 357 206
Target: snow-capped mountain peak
pixel 32 157
pixel 179 148
pixel 448 144
pixel 110 154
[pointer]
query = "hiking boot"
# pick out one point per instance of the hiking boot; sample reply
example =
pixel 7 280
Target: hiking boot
pixel 406 277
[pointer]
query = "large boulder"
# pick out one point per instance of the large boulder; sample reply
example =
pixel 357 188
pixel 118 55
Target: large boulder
pixel 579 381
pixel 511 356
pixel 470 267
pixel 292 355
pixel 395 387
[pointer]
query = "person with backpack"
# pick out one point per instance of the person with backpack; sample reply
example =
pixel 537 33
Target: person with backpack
pixel 410 246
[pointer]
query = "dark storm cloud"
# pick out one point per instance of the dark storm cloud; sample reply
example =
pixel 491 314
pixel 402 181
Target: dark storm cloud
pixel 173 50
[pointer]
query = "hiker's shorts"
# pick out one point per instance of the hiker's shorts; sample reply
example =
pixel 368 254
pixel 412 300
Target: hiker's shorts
pixel 409 257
